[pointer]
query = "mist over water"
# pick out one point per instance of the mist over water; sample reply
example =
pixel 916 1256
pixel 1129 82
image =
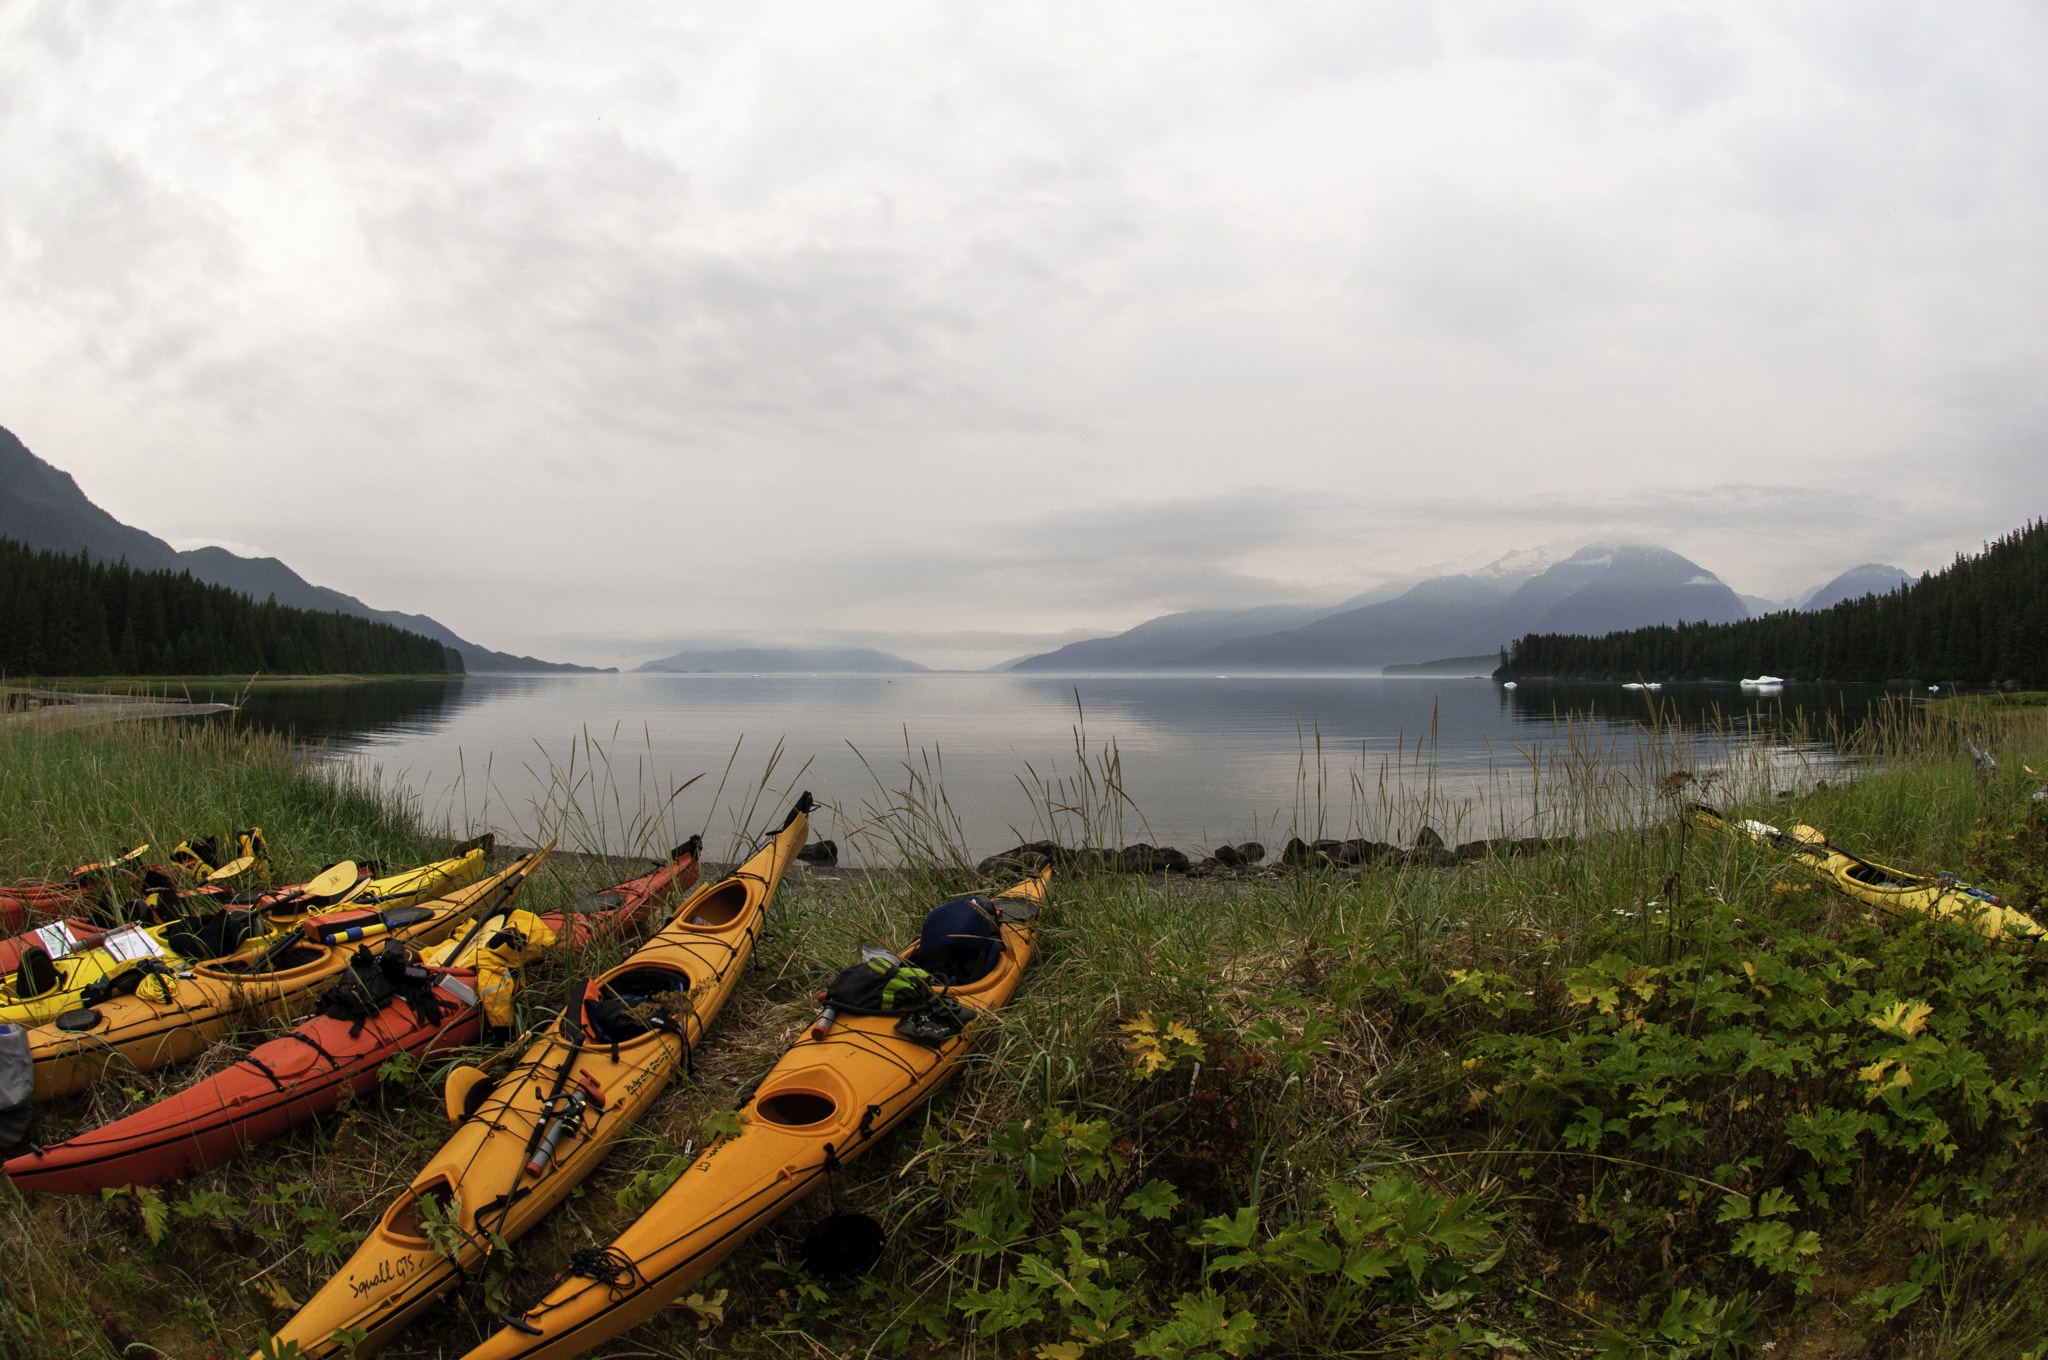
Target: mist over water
pixel 1199 760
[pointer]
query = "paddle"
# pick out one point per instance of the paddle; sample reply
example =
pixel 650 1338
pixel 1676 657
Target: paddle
pixel 330 884
pixel 84 870
pixel 231 869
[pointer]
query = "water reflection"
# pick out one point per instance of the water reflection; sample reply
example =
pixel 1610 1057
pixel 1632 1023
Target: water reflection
pixel 1197 760
pixel 1818 709
pixel 342 714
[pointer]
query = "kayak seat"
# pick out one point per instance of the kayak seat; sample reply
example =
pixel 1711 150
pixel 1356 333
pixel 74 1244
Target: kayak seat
pixel 1876 877
pixel 35 974
pixel 718 908
pixel 634 1002
pixel 596 904
pixel 961 941
pixel 212 935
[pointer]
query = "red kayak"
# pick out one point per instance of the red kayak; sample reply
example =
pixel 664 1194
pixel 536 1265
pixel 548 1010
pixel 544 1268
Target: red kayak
pixel 383 1005
pixel 19 905
pixel 19 902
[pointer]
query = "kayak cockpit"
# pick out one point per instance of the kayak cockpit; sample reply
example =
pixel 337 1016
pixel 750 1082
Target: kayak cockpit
pixel 408 1220
pixel 795 1109
pixel 1877 876
pixel 716 909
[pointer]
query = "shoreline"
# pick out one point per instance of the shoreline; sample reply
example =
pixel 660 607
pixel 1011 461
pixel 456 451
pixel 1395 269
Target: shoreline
pixel 50 710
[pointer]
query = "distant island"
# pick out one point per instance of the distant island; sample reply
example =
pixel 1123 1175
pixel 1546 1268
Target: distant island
pixel 782 660
pixel 1983 620
pixel 1447 666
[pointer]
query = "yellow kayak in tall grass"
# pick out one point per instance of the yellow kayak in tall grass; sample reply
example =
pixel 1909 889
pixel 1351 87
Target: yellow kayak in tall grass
pixel 522 1143
pixel 841 1086
pixel 1942 896
pixel 42 989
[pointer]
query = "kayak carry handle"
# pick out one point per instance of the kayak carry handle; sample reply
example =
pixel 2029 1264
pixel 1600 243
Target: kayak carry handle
pixel 804 805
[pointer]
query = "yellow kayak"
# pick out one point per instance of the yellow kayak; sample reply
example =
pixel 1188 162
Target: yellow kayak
pixel 1942 896
pixel 38 994
pixel 523 1143
pixel 841 1086
pixel 156 1013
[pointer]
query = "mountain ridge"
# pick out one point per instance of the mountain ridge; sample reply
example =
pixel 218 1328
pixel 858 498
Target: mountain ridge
pixel 780 660
pixel 42 506
pixel 1867 578
pixel 1459 614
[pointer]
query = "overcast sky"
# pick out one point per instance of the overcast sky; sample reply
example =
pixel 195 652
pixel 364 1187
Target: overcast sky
pixel 963 330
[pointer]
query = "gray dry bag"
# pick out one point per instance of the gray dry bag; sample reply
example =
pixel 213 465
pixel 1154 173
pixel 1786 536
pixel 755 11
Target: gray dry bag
pixel 17 1085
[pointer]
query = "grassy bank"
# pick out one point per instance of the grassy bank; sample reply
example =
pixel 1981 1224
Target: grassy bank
pixel 77 796
pixel 1650 1094
pixel 178 686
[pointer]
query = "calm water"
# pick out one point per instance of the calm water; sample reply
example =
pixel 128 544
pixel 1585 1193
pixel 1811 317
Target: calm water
pixel 1199 760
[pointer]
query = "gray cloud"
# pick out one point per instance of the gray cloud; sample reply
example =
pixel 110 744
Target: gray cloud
pixel 924 323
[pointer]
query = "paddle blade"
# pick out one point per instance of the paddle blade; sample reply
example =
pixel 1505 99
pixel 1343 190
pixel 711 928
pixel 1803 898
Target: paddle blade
pixel 232 868
pixel 334 881
pixel 101 866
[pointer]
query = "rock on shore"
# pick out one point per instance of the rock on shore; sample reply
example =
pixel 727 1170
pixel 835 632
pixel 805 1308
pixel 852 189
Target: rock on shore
pixel 1428 851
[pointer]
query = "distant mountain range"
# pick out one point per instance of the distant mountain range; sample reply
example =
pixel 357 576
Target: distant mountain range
pixel 43 507
pixel 1447 619
pixel 1982 620
pixel 783 660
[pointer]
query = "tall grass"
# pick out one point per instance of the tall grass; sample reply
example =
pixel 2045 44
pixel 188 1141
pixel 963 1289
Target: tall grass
pixel 67 798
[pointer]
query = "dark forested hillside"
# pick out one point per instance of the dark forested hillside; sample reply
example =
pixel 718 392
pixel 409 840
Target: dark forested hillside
pixel 67 615
pixel 1983 619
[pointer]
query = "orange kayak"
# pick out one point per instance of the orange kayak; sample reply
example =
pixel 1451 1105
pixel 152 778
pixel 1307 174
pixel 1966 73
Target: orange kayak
pixel 841 1086
pixel 523 1142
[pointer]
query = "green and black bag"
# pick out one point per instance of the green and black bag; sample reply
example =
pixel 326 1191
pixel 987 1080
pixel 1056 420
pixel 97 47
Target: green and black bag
pixel 883 984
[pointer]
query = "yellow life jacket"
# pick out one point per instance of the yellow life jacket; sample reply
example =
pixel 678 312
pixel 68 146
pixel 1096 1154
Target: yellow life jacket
pixel 518 938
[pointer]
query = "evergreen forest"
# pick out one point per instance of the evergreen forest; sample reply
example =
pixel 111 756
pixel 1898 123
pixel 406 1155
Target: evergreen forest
pixel 1983 620
pixel 68 615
